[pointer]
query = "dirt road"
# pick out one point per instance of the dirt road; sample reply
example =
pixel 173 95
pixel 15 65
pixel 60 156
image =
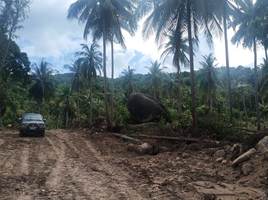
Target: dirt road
pixel 62 165
pixel 68 165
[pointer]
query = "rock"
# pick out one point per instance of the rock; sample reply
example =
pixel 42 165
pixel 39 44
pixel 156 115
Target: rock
pixel 144 108
pixel 219 159
pixel 145 148
pixel 219 154
pixel 244 157
pixel 185 155
pixel 224 162
pixel 262 145
pixel 247 168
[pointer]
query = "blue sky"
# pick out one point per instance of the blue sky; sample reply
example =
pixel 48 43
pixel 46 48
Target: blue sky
pixel 48 35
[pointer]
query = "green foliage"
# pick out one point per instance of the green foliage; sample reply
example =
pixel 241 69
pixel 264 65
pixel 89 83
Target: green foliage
pixel 216 126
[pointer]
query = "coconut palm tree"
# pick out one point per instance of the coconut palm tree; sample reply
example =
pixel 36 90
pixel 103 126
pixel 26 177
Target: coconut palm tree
pixel 66 100
pixel 208 78
pixel 156 76
pixel 90 60
pixel 78 81
pixel 263 79
pixel 246 35
pixel 170 87
pixel 177 45
pixel 129 81
pixel 192 15
pixel 224 10
pixel 129 23
pixel 241 91
pixel 43 88
pixel 101 18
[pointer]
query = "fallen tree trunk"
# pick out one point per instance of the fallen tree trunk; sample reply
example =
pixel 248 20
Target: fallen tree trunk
pixel 178 138
pixel 243 129
pixel 124 137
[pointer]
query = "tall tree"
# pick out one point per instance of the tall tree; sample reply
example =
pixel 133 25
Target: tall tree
pixel 90 60
pixel 246 34
pixel 224 11
pixel 14 13
pixel 242 91
pixel 209 78
pixel 66 100
pixel 128 22
pixel 177 45
pixel 43 88
pixel 129 80
pixel 156 76
pixel 101 18
pixel 170 88
pixel 78 81
pixel 192 15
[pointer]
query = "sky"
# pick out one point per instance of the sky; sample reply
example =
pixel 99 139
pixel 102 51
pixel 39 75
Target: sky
pixel 48 35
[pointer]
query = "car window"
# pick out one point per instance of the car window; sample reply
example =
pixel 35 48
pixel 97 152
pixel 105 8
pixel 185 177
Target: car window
pixel 32 117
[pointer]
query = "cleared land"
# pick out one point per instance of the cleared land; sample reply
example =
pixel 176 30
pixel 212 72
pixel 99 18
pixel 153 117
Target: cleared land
pixel 77 164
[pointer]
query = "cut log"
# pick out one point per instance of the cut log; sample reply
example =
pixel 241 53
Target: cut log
pixel 196 140
pixel 124 137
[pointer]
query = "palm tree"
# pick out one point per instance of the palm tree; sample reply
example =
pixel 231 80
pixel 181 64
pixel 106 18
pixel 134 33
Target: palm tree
pixel 129 23
pixel 90 60
pixel 66 100
pixel 177 45
pixel 209 78
pixel 264 76
pixel 78 81
pixel 247 36
pixel 170 88
pixel 43 88
pixel 56 111
pixel 129 81
pixel 225 10
pixel 242 90
pixel 156 75
pixel 101 18
pixel 191 15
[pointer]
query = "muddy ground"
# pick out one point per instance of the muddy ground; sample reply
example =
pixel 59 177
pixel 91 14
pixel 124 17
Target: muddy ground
pixel 80 165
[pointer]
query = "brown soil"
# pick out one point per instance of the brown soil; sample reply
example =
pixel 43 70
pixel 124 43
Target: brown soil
pixel 78 165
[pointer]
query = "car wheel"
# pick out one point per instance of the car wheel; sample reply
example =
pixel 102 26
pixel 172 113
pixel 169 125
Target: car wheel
pixel 21 134
pixel 42 134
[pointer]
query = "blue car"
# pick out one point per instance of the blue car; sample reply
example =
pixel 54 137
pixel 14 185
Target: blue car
pixel 32 123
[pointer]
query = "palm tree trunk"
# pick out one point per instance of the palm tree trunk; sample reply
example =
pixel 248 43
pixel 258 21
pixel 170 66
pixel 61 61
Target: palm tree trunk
pixel 210 102
pixel 66 124
pixel 112 81
pixel 228 69
pixel 154 94
pixel 90 106
pixel 105 75
pixel 256 85
pixel 240 120
pixel 191 63
pixel 179 93
pixel 78 106
pixel 245 110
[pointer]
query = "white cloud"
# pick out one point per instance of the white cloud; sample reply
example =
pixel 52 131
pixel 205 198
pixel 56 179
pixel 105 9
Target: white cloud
pixel 48 34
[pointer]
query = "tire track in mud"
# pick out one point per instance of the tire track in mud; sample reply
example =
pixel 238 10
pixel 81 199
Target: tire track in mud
pixel 93 175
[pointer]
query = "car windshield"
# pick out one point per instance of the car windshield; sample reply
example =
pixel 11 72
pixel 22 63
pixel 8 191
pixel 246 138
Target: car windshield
pixel 32 117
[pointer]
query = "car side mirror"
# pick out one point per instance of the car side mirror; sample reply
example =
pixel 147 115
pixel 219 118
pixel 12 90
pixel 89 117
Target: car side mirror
pixel 44 119
pixel 19 118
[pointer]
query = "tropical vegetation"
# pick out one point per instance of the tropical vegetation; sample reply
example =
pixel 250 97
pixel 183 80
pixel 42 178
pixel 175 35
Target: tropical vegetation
pixel 236 95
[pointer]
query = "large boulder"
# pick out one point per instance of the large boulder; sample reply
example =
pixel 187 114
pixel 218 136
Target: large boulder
pixel 144 108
